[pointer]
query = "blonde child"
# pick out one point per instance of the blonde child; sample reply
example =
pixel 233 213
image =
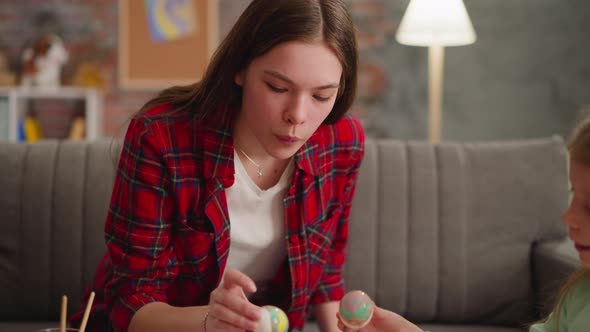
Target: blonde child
pixel 572 312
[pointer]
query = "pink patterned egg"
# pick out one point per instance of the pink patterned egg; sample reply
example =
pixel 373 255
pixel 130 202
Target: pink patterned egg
pixel 356 309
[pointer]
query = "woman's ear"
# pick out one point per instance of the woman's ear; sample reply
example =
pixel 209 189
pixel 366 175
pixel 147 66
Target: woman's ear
pixel 239 78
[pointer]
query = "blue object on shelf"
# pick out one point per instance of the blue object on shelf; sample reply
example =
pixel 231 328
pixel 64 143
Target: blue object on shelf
pixel 21 137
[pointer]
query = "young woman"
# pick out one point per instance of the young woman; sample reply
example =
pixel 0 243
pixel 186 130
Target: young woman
pixel 235 192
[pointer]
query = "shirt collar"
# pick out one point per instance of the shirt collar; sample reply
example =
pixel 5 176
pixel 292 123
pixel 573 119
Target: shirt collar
pixel 216 145
pixel 307 158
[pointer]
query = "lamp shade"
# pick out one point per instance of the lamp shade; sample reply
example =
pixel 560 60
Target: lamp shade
pixel 436 22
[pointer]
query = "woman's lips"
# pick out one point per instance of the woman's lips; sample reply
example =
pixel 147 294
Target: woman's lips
pixel 287 139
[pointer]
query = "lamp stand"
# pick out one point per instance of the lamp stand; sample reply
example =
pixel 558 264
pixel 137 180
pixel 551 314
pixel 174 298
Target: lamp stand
pixel 436 56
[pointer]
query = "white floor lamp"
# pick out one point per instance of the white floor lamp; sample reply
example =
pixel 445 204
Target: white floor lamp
pixel 435 24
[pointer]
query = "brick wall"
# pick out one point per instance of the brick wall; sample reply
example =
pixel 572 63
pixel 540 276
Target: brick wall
pixel 526 76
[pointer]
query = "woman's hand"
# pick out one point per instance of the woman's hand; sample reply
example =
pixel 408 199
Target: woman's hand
pixel 229 309
pixel 383 321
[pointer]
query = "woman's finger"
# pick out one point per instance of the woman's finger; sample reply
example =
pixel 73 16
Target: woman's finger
pixel 215 324
pixel 341 325
pixel 231 318
pixel 233 278
pixel 235 303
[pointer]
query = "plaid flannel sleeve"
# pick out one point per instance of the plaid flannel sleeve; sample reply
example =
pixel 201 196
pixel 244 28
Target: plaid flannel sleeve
pixel 137 229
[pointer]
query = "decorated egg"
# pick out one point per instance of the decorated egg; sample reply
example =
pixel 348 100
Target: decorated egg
pixel 356 309
pixel 273 320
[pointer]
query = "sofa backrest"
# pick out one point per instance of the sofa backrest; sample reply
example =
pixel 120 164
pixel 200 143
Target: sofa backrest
pixel 438 233
pixel 444 233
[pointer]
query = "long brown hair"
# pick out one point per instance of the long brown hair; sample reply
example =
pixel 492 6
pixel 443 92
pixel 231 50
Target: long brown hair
pixel 579 150
pixel 263 25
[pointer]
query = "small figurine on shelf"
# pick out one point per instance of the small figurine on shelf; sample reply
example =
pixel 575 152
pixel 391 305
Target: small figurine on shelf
pixel 42 62
pixel 78 127
pixel 88 74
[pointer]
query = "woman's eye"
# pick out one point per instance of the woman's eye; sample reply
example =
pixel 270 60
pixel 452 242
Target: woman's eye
pixel 322 99
pixel 276 88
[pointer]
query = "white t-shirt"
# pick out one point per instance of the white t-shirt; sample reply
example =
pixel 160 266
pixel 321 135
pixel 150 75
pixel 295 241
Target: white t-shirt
pixel 257 237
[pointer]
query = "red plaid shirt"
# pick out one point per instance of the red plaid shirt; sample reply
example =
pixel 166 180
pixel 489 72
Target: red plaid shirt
pixel 167 230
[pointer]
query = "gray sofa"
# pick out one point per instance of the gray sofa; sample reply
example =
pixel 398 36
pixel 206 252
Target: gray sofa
pixel 456 237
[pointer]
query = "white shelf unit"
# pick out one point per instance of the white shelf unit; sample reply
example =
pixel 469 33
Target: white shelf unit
pixel 93 106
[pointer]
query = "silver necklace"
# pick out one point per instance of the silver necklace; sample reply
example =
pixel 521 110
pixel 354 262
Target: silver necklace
pixel 252 161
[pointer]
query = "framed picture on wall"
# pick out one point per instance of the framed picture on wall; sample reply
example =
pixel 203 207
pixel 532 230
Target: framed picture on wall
pixel 165 42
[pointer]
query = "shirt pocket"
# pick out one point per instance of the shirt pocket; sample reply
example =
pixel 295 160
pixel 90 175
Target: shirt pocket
pixel 319 240
pixel 195 249
pixel 320 235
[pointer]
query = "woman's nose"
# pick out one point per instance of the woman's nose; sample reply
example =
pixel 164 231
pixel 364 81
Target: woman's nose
pixel 296 113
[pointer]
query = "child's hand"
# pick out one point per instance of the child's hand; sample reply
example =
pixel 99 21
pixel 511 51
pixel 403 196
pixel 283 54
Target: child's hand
pixel 383 321
pixel 229 309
